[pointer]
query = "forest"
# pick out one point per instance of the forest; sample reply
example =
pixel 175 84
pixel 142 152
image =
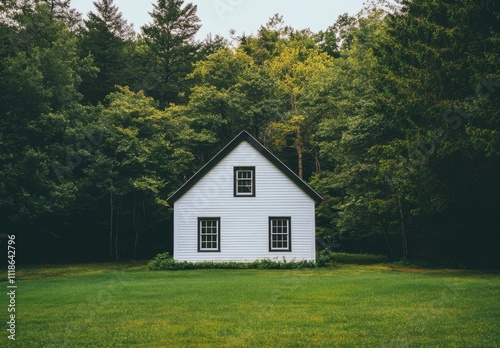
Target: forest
pixel 391 114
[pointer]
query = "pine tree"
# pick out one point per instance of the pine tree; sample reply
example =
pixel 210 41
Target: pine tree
pixel 172 49
pixel 111 16
pixel 107 39
pixel 62 11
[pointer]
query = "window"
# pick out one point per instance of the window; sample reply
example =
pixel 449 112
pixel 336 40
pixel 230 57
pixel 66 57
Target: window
pixel 279 234
pixel 244 181
pixel 208 234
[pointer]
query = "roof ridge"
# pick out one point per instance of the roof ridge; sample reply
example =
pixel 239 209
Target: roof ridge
pixel 243 135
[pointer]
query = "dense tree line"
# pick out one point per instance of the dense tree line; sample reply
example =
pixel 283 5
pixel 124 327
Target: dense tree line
pixel 391 114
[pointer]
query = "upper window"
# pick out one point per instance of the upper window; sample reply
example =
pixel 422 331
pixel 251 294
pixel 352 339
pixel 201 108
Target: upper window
pixel 280 234
pixel 244 181
pixel 208 234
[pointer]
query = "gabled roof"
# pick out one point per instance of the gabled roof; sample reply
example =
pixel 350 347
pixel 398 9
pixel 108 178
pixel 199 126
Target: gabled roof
pixel 244 135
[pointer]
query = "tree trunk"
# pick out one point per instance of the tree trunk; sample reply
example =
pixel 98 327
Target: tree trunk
pixel 299 154
pixel 384 232
pixel 316 161
pixel 111 208
pixel 403 229
pixel 117 256
pixel 134 219
pixel 136 242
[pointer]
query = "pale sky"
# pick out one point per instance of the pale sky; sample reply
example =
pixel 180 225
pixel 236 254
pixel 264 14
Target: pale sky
pixel 244 16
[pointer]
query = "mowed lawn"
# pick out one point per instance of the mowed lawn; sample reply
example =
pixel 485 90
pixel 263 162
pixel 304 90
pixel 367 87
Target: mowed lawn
pixel 107 305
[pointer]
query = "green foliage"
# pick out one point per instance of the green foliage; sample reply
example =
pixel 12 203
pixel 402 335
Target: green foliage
pixel 434 81
pixel 170 49
pixel 161 261
pixel 392 114
pixel 360 210
pixel 39 108
pixel 396 133
pixel 232 94
pixel 138 165
pixel 164 262
pixel 107 39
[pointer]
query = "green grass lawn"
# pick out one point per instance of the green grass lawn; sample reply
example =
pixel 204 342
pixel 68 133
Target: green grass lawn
pixel 106 305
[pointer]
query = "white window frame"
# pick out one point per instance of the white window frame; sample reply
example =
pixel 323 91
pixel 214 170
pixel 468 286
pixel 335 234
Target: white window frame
pixel 237 180
pixel 283 233
pixel 207 234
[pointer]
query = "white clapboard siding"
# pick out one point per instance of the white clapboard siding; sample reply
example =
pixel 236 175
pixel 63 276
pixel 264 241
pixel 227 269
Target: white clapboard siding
pixel 244 230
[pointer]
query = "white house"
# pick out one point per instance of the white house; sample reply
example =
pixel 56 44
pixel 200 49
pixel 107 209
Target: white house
pixel 244 205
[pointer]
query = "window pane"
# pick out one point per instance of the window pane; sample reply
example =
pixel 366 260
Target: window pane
pixel 244 181
pixel 209 235
pixel 244 174
pixel 280 234
pixel 244 186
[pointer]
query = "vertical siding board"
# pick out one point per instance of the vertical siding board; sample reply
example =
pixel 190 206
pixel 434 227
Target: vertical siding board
pixel 245 232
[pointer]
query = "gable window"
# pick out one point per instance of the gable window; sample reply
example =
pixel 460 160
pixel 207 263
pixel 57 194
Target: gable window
pixel 244 181
pixel 208 234
pixel 280 234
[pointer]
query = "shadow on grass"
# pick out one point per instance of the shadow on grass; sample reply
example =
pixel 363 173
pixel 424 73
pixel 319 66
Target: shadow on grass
pixel 48 271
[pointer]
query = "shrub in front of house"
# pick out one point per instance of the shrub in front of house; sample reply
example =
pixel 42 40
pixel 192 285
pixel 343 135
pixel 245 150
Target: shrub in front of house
pixel 161 261
pixel 164 261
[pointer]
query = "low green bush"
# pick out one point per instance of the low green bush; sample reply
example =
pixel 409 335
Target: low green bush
pixel 324 259
pixel 161 261
pixel 164 261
